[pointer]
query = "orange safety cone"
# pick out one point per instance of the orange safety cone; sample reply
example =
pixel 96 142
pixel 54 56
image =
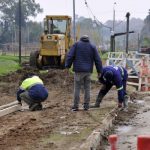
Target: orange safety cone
pixel 143 142
pixel 113 141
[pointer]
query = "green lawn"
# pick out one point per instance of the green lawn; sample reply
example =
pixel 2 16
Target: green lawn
pixel 94 74
pixel 8 64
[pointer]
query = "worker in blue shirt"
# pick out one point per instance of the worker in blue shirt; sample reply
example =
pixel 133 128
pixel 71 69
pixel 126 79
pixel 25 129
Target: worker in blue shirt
pixel 32 91
pixel 113 75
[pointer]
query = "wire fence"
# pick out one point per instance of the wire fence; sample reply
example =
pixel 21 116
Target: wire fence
pixel 13 49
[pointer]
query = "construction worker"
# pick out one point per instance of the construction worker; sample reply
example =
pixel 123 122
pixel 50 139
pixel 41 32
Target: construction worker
pixel 32 91
pixel 113 75
pixel 83 54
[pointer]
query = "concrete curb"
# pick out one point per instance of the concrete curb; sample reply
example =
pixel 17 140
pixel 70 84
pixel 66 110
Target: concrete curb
pixel 8 105
pixel 95 138
pixel 9 108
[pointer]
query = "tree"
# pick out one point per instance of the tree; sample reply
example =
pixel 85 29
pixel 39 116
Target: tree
pixel 87 27
pixel 145 33
pixel 34 31
pixel 146 42
pixel 10 10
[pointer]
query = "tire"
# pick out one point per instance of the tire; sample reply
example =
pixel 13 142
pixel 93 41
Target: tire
pixel 63 62
pixel 34 56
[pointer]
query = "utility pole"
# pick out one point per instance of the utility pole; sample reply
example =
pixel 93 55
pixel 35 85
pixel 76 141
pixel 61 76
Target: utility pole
pixel 127 31
pixel 74 23
pixel 112 42
pixel 20 31
pixel 138 42
pixel 112 39
pixel 114 16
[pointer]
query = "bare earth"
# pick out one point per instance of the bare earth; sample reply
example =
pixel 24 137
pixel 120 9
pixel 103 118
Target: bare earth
pixel 55 127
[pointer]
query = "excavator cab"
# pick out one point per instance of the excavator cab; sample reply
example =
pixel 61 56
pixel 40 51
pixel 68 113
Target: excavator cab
pixel 54 43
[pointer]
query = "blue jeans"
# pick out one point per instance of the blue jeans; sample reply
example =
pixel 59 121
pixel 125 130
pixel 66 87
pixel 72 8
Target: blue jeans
pixel 80 79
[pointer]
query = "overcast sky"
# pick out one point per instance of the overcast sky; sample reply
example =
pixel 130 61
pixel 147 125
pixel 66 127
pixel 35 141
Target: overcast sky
pixel 101 9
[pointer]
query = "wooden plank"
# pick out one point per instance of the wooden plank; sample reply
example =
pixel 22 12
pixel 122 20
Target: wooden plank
pixel 9 110
pixel 133 77
pixel 8 105
pixel 132 83
pixel 134 59
pixel 116 59
pixel 139 87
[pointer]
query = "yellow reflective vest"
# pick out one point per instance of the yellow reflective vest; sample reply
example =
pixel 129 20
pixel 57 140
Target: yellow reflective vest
pixel 29 82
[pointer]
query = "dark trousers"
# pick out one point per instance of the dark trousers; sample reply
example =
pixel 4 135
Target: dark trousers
pixel 79 80
pixel 27 99
pixel 103 91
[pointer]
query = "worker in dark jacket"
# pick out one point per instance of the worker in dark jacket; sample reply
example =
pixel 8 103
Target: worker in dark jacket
pixel 83 55
pixel 32 91
pixel 113 75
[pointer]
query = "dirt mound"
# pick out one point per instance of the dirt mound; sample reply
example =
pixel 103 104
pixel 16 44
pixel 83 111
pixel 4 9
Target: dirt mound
pixel 57 78
pixel 52 78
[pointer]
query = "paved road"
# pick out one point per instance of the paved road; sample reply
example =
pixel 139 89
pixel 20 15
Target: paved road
pixel 140 125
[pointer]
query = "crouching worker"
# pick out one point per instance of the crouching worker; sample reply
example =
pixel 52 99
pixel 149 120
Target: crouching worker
pixel 113 75
pixel 32 91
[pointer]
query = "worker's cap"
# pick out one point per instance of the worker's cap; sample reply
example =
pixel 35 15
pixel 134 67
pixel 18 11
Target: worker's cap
pixel 108 75
pixel 84 38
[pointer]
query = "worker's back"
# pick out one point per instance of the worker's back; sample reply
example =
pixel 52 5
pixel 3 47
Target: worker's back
pixel 83 54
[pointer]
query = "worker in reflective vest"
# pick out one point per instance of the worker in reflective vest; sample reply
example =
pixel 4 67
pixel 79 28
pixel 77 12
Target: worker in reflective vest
pixel 32 91
pixel 113 75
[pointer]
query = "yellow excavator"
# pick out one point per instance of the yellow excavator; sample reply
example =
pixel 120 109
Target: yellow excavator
pixel 54 43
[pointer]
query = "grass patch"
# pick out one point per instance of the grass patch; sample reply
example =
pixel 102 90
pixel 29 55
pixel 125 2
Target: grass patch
pixel 14 58
pixel 103 58
pixel 8 64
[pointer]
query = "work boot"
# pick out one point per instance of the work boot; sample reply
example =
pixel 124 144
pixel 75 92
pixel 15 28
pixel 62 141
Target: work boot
pixel 39 107
pixel 119 105
pixel 74 108
pixel 97 103
pixel 86 106
pixel 35 106
pixel 98 100
pixel 95 106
